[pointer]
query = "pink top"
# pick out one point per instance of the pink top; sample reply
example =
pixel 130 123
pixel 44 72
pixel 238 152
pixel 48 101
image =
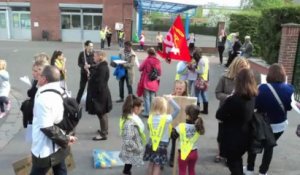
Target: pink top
pixel 146 68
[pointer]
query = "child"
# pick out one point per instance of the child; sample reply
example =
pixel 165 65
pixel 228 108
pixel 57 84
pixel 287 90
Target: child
pixel 132 132
pixel 4 88
pixel 158 122
pixel 180 88
pixel 189 133
pixel 142 41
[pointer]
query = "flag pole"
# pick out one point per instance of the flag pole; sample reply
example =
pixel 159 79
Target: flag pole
pixel 82 42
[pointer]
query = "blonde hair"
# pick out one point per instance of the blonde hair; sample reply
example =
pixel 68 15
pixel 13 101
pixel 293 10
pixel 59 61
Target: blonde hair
pixel 42 56
pixel 159 106
pixel 235 66
pixel 100 53
pixel 3 64
pixel 181 82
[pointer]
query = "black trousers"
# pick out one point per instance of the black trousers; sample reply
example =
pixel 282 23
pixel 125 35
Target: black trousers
pixel 121 86
pixel 235 165
pixel 221 51
pixel 3 100
pixel 108 41
pixel 127 169
pixel 266 160
pixel 102 42
pixel 83 81
pixel 231 58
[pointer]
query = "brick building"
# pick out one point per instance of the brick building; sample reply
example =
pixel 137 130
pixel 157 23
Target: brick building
pixel 63 20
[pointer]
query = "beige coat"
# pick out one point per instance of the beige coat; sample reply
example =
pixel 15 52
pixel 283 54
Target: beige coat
pixel 129 65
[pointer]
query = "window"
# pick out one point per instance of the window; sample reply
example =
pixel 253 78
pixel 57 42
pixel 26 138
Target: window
pixel 2 20
pixel 65 21
pixel 97 22
pixel 92 10
pixel 25 21
pixel 16 20
pixel 71 18
pixel 76 21
pixel 88 22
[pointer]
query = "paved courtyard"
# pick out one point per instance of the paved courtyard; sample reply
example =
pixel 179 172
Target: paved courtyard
pixel 13 146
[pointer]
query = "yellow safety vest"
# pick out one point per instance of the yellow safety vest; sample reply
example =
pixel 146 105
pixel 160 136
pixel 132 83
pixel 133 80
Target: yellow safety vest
pixel 204 75
pixel 142 134
pixel 121 35
pixel 102 34
pixel 186 144
pixel 156 133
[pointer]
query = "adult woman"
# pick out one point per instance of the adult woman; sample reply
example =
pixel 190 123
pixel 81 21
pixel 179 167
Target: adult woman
pixel 98 99
pixel 59 61
pixel 267 103
pixel 202 68
pixel 221 44
pixel 150 64
pixel 225 88
pixel 236 114
pixel 41 60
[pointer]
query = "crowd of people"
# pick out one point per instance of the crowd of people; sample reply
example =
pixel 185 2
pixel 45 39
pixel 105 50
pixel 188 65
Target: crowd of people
pixel 237 91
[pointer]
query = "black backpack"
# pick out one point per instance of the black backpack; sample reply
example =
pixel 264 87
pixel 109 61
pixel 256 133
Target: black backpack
pixel 153 74
pixel 72 112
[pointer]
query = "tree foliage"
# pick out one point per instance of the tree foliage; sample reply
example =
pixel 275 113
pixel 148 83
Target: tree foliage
pixel 261 4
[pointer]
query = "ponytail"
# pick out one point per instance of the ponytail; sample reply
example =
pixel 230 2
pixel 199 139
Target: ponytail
pixel 199 126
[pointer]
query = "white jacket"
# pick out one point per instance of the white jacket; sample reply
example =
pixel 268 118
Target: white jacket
pixel 4 83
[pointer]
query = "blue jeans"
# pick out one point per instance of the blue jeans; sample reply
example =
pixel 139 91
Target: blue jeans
pixel 59 169
pixel 148 97
pixel 191 87
pixel 121 43
pixel 121 86
pixel 201 96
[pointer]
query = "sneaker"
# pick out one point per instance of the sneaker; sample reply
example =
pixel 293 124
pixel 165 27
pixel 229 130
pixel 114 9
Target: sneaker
pixel 120 101
pixel 247 172
pixel 2 114
pixel 263 174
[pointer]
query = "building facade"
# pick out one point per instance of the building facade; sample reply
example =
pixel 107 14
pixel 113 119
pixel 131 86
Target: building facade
pixel 63 20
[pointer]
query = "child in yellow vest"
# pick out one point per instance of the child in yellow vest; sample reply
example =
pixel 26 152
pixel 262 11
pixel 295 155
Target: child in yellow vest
pixel 189 133
pixel 132 132
pixel 180 89
pixel 158 123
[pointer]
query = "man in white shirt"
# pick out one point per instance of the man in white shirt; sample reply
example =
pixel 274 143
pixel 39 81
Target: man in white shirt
pixel 49 152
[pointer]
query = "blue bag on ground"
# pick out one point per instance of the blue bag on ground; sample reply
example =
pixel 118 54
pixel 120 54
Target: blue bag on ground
pixel 106 159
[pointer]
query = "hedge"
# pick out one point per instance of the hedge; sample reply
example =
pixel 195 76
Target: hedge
pixel 246 24
pixel 269 29
pixel 197 29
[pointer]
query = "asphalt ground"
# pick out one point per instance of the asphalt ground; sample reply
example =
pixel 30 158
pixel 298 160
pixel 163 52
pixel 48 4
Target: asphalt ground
pixel 13 147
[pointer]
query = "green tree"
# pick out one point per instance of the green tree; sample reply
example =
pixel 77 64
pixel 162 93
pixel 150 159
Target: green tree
pixel 261 4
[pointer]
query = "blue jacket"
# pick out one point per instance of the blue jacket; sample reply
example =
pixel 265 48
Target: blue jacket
pixel 120 72
pixel 267 103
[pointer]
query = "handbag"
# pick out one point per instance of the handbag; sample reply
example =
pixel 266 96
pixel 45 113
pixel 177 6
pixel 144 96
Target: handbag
pixel 201 84
pixel 153 74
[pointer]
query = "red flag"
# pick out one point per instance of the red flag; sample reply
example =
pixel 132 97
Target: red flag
pixel 174 43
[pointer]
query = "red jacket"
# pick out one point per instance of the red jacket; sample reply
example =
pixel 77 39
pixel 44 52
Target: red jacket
pixel 146 68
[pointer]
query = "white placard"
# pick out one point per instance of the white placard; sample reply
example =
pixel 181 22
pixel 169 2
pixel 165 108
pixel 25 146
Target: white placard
pixel 119 61
pixel 119 26
pixel 26 80
pixel 35 24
